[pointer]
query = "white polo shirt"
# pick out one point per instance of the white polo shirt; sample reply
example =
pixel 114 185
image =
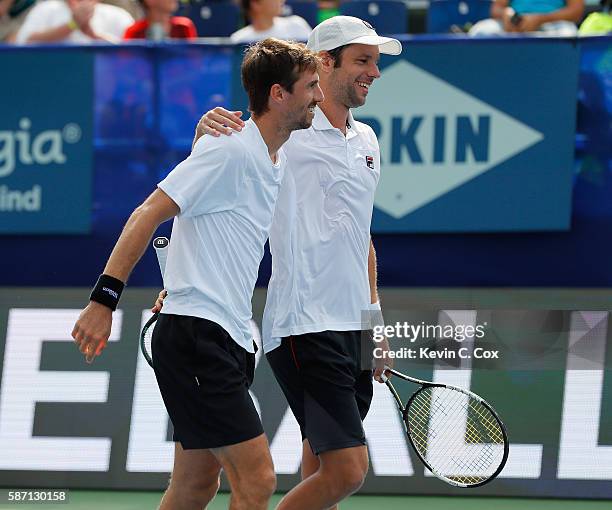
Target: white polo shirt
pixel 226 191
pixel 294 28
pixel 320 235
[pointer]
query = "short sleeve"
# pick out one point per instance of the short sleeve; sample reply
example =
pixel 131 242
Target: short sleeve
pixel 42 16
pixel 119 21
pixel 210 179
pixel 245 34
pixel 188 29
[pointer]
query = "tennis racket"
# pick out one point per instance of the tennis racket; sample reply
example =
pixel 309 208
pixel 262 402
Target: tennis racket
pixel 161 249
pixel 455 433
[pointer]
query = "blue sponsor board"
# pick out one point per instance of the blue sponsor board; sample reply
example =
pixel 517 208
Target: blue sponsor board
pixel 475 136
pixel 134 150
pixel 46 141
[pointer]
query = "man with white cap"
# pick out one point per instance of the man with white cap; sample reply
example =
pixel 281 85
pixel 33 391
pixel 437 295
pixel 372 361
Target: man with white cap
pixel 324 266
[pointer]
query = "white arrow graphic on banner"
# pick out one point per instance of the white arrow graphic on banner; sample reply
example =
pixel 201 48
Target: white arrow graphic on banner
pixel 434 116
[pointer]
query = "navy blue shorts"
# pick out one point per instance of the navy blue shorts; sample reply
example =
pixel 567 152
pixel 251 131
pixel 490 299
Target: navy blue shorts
pixel 329 392
pixel 204 378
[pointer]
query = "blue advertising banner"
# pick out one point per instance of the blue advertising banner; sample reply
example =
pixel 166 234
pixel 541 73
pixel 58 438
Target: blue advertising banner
pixel 46 142
pixel 475 136
pixel 148 99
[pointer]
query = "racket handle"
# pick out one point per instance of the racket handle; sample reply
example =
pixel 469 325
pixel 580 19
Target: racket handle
pixel 383 376
pixel 161 249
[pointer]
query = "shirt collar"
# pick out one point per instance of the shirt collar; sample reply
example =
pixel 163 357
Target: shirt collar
pixel 262 143
pixel 321 123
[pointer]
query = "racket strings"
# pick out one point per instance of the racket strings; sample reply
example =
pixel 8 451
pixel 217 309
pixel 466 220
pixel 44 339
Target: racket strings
pixel 437 413
pixel 456 434
pixel 147 340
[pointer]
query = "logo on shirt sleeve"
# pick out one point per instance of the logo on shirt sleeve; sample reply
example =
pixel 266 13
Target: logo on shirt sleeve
pixel 370 162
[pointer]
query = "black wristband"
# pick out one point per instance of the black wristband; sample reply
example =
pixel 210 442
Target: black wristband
pixel 107 291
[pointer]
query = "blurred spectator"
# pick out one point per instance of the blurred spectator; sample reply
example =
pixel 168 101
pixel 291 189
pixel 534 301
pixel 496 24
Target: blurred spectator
pixel 551 17
pixel 265 19
pixel 159 23
pixel 598 23
pixel 328 9
pixel 77 21
pixel 12 15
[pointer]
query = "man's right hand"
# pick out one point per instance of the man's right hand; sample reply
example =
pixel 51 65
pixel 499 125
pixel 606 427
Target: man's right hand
pixel 92 330
pixel 218 121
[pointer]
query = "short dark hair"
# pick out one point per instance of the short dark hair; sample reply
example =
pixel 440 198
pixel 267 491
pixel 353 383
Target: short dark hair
pixel 270 62
pixel 336 54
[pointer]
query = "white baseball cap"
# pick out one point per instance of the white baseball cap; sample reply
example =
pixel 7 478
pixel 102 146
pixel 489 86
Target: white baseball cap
pixel 341 30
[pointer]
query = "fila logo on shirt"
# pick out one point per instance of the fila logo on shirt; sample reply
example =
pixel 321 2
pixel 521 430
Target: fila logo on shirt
pixel 370 162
